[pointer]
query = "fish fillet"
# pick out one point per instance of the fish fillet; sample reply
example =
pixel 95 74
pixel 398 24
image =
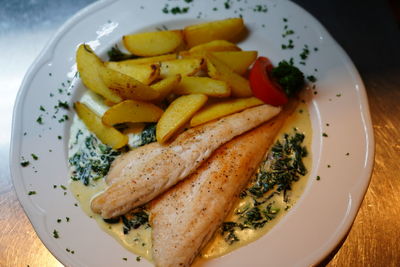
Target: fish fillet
pixel 144 173
pixel 185 218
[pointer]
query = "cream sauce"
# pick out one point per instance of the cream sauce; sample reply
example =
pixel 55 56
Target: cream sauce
pixel 139 240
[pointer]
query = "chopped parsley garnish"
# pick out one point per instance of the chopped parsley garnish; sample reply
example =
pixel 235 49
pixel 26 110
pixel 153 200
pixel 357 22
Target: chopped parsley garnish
pixel 39 120
pixel 25 163
pixel 138 258
pixel 42 108
pixel 324 135
pixel 318 178
pixel 63 105
pixel 175 10
pixel 260 8
pixel 30 193
pixel 305 53
pixel 55 234
pixel 311 78
pixel 115 54
pixel 34 156
pixel 125 259
pixel 289 45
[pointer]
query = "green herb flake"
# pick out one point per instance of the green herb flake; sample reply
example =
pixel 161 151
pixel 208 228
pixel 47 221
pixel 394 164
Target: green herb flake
pixel 25 163
pixel 338 95
pixel 41 108
pixel 39 120
pixel 138 258
pixel 227 4
pixel 67 219
pixel 115 54
pixel 125 259
pixel 63 105
pixel 35 157
pixel 318 178
pixel 324 135
pixel 55 234
pixel 30 193
pixel 59 137
pixel 58 220
pixel 312 78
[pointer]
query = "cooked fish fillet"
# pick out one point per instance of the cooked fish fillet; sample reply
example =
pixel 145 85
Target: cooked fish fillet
pixel 185 218
pixel 144 173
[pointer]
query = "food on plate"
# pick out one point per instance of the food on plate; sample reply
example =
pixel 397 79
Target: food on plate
pixel 209 193
pixel 221 109
pixel 202 85
pixel 213 46
pixel 274 85
pixel 182 124
pixel 226 29
pixel 146 172
pixel 238 61
pixel 184 67
pixel 153 43
pixel 177 114
pixel 142 72
pixel 89 67
pixel 132 111
pixel 126 86
pixel 107 134
pixel 220 71
pixel 165 86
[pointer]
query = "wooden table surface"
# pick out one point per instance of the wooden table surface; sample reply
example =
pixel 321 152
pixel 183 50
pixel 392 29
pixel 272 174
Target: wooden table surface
pixel 367 30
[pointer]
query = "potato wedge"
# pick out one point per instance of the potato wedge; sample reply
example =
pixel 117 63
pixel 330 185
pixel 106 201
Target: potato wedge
pixel 152 60
pixel 165 86
pixel 202 85
pixel 238 61
pixel 177 114
pixel 89 66
pixel 126 86
pixel 226 29
pixel 184 67
pixel 153 43
pixel 219 71
pixel 132 111
pixel 108 135
pixel 221 109
pixel 143 73
pixel 214 46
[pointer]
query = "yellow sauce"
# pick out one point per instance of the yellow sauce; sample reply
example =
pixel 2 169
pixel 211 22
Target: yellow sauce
pixel 139 240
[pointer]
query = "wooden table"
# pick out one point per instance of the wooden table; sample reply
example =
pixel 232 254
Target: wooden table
pixel 367 30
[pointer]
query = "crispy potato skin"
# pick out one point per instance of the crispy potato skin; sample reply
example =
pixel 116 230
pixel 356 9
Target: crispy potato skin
pixel 226 29
pixel 223 108
pixel 153 43
pixel 107 134
pixel 132 111
pixel 89 66
pixel 177 114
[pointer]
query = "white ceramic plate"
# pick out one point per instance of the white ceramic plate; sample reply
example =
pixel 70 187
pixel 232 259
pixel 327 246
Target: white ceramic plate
pixel 306 234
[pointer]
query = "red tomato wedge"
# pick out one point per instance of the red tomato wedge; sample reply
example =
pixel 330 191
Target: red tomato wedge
pixel 262 85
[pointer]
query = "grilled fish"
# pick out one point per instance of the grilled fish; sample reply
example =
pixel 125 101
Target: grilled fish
pixel 142 174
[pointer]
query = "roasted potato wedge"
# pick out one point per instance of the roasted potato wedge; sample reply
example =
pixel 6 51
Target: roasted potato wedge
pixel 126 86
pixel 221 109
pixel 132 111
pixel 184 67
pixel 226 29
pixel 89 66
pixel 202 85
pixel 219 71
pixel 107 134
pixel 238 61
pixel 165 86
pixel 177 114
pixel 214 46
pixel 153 43
pixel 143 73
pixel 152 60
